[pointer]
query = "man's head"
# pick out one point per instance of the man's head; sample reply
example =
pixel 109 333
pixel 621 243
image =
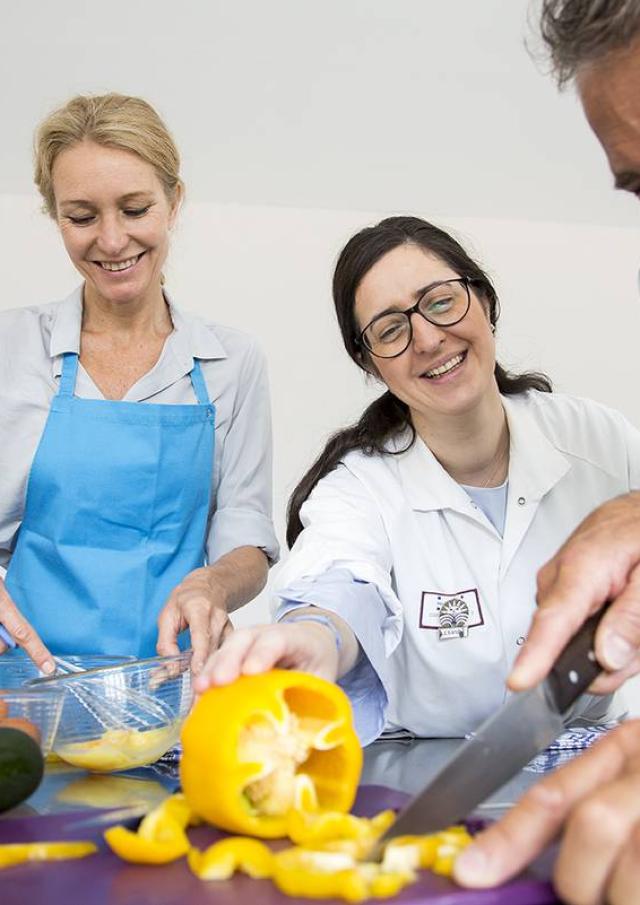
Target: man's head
pixel 597 43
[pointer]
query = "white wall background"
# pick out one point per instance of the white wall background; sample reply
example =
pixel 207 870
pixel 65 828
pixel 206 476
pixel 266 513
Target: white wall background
pixel 301 121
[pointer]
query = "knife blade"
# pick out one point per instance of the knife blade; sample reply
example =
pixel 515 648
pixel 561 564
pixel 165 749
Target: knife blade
pixel 504 743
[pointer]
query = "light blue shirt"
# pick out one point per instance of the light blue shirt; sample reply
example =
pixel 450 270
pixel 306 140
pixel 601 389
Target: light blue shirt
pixel 361 606
pixel 492 501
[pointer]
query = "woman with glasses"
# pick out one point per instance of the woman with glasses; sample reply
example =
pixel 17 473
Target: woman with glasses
pixel 417 534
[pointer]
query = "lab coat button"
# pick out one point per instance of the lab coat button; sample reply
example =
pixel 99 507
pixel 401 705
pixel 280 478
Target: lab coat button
pixel 521 501
pixel 520 641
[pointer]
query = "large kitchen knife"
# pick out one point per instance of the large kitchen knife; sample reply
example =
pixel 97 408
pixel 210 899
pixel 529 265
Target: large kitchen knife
pixel 527 723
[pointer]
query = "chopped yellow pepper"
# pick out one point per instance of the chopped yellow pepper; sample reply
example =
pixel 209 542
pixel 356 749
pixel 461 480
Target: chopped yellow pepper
pixel 325 875
pixel 160 838
pixel 247 745
pixel 19 853
pixel 333 831
pixel 436 852
pixel 222 859
pixel 175 808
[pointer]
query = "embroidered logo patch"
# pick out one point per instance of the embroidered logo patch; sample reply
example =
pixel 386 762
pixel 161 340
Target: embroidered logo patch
pixel 452 615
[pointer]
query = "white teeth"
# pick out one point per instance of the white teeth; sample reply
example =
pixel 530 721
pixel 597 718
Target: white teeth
pixel 446 367
pixel 118 265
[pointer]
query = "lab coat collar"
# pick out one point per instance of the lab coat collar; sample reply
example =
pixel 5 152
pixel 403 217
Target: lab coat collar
pixel 535 465
pixel 191 338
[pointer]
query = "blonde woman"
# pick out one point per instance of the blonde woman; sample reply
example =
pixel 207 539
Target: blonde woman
pixel 123 527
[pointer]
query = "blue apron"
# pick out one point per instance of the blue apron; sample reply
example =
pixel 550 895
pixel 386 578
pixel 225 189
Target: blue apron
pixel 115 517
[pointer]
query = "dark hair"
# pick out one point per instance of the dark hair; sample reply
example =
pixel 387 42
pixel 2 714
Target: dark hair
pixel 581 31
pixel 387 415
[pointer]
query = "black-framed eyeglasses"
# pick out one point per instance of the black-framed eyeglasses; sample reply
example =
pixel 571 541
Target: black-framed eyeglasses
pixel 443 304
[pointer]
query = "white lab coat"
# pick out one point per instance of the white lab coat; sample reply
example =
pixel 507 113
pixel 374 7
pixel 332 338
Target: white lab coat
pixel 403 524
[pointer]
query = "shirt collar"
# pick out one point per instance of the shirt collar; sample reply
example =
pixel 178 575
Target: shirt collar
pixel 191 338
pixel 535 464
pixel 65 331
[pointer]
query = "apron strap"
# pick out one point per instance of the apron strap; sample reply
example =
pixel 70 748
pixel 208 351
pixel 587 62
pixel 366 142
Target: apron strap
pixel 69 374
pixel 199 386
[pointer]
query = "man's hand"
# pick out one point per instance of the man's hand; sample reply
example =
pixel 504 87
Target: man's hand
pixel 23 633
pixel 600 562
pixel 595 801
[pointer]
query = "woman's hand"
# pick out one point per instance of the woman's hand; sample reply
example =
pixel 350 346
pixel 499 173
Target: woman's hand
pixel 201 602
pixel 23 633
pixel 308 646
pixel 595 802
pixel 198 603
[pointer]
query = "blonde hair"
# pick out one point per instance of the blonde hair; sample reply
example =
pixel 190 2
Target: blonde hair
pixel 112 120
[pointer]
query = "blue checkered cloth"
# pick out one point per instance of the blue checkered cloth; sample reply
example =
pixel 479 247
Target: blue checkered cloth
pixel 572 742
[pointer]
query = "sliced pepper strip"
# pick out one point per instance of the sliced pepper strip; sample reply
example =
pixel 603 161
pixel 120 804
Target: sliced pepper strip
pixel 173 809
pixel 436 852
pixel 19 853
pixel 133 847
pixel 161 836
pixel 222 859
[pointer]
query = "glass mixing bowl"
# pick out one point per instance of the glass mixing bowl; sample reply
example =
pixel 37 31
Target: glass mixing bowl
pixel 122 716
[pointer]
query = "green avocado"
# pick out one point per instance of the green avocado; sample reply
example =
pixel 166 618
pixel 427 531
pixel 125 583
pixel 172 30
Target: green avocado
pixel 21 767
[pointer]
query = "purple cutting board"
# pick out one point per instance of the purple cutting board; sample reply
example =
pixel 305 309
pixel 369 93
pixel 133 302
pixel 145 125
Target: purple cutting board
pixel 103 879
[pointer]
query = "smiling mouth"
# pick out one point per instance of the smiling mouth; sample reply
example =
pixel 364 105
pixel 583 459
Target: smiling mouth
pixel 446 368
pixel 117 266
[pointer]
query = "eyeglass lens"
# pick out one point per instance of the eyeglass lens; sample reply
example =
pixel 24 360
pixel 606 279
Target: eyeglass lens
pixel 443 305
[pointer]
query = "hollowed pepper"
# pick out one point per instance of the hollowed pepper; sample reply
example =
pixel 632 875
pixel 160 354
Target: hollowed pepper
pixel 246 746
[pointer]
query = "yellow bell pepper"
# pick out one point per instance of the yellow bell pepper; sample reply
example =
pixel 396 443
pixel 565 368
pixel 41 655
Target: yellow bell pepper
pixel 436 852
pixel 19 853
pixel 248 744
pixel 159 839
pixel 336 832
pixel 222 859
pixel 324 875
pixel 174 808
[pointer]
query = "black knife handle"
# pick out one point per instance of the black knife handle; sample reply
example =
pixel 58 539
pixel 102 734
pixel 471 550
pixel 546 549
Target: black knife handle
pixel 576 667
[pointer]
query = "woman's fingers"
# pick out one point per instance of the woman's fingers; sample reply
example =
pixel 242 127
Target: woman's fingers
pixel 308 647
pixel 24 634
pixel 168 629
pixel 204 624
pixel 197 604
pixel 225 665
